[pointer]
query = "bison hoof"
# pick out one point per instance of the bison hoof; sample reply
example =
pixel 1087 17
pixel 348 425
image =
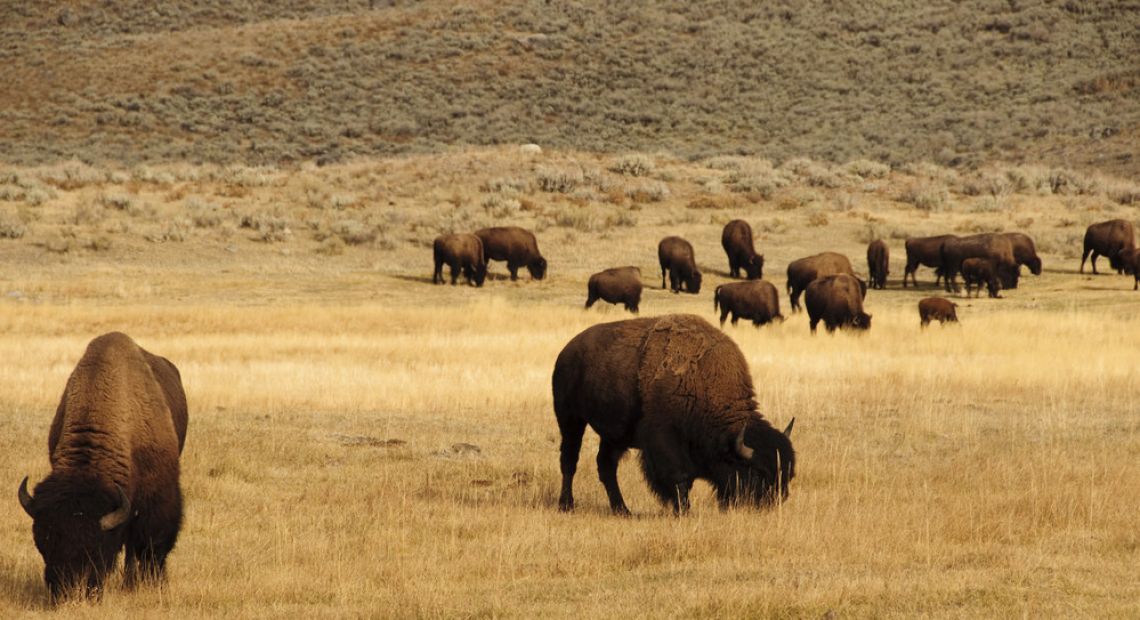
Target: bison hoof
pixel 621 511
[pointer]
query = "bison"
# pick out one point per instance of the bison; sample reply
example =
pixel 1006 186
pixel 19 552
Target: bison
pixel 676 257
pixel 737 242
pixel 878 263
pixel 1109 239
pixel 937 309
pixel 977 272
pixel 837 301
pixel 462 253
pixel 995 247
pixel 678 390
pixel 802 272
pixel 619 285
pixel 517 246
pixel 1024 252
pixel 114 447
pixel 924 251
pixel 756 300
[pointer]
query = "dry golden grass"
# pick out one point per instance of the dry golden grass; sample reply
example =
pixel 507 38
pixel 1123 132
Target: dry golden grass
pixel 984 470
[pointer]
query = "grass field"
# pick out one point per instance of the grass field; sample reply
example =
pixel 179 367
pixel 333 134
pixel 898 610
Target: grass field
pixel 363 443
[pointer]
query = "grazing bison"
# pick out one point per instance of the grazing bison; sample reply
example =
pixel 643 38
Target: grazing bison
pixel 937 309
pixel 676 256
pixel 802 272
pixel 1024 252
pixel 515 245
pixel 619 285
pixel 878 263
pixel 678 390
pixel 737 242
pixel 1108 239
pixel 995 247
pixel 114 446
pixel 924 251
pixel 837 301
pixel 978 272
pixel 462 253
pixel 756 300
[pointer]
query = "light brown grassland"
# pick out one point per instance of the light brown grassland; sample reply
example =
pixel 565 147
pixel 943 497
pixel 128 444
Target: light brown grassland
pixel 990 469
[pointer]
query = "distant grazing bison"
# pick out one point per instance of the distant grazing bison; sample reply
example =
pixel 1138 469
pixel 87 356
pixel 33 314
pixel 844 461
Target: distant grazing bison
pixel 1024 252
pixel 837 301
pixel 979 272
pixel 802 272
pixel 995 247
pixel 755 300
pixel 678 390
pixel 619 285
pixel 114 446
pixel 924 251
pixel 462 253
pixel 937 309
pixel 1108 239
pixel 878 263
pixel 676 257
pixel 737 242
pixel 517 246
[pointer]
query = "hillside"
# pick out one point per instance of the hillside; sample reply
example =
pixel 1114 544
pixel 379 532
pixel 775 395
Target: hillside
pixel 955 83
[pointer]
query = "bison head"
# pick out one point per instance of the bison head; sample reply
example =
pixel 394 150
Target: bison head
pixel 862 320
pixel 77 528
pixel 1034 265
pixel 755 267
pixel 478 274
pixel 537 268
pixel 694 283
pixel 765 464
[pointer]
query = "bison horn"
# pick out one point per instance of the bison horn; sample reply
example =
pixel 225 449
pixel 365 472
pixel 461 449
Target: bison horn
pixel 744 451
pixel 119 516
pixel 26 498
pixel 788 431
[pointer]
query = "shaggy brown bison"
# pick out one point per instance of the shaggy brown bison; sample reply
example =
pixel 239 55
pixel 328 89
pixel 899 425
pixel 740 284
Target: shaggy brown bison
pixel 755 300
pixel 737 242
pixel 1024 252
pixel 937 309
pixel 462 253
pixel 837 301
pixel 802 272
pixel 619 285
pixel 678 390
pixel 676 257
pixel 924 251
pixel 979 272
pixel 995 247
pixel 878 263
pixel 114 446
pixel 1108 239
pixel 517 246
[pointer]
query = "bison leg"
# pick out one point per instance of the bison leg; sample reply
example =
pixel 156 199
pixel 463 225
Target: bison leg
pixel 151 538
pixel 632 307
pixel 795 298
pixel 662 275
pixel 572 431
pixel 1095 255
pixel 590 299
pixel 668 471
pixel 723 316
pixel 814 323
pixel 437 274
pixel 609 454
pixel 514 269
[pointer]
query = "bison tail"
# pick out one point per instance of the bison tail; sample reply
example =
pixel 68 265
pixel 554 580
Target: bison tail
pixel 716 299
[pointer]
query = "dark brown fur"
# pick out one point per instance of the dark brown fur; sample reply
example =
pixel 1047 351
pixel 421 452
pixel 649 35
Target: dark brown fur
pixel 737 242
pixel 517 246
pixel 462 253
pixel 979 272
pixel 995 247
pixel 1025 251
pixel 837 301
pixel 678 390
pixel 120 424
pixel 878 263
pixel 619 285
pixel 924 251
pixel 937 309
pixel 676 257
pixel 1109 239
pixel 755 300
pixel 1130 260
pixel 802 272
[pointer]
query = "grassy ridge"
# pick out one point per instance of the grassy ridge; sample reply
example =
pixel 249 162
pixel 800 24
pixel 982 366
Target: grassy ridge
pixel 957 83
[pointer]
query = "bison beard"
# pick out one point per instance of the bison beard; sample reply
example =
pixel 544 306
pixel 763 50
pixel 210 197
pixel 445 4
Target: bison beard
pixel 679 391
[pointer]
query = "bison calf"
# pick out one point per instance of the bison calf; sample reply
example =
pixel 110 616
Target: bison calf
pixel 977 272
pixel 736 239
pixel 676 258
pixel 878 263
pixel 837 301
pixel 619 285
pixel 937 309
pixel 755 300
pixel 462 253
